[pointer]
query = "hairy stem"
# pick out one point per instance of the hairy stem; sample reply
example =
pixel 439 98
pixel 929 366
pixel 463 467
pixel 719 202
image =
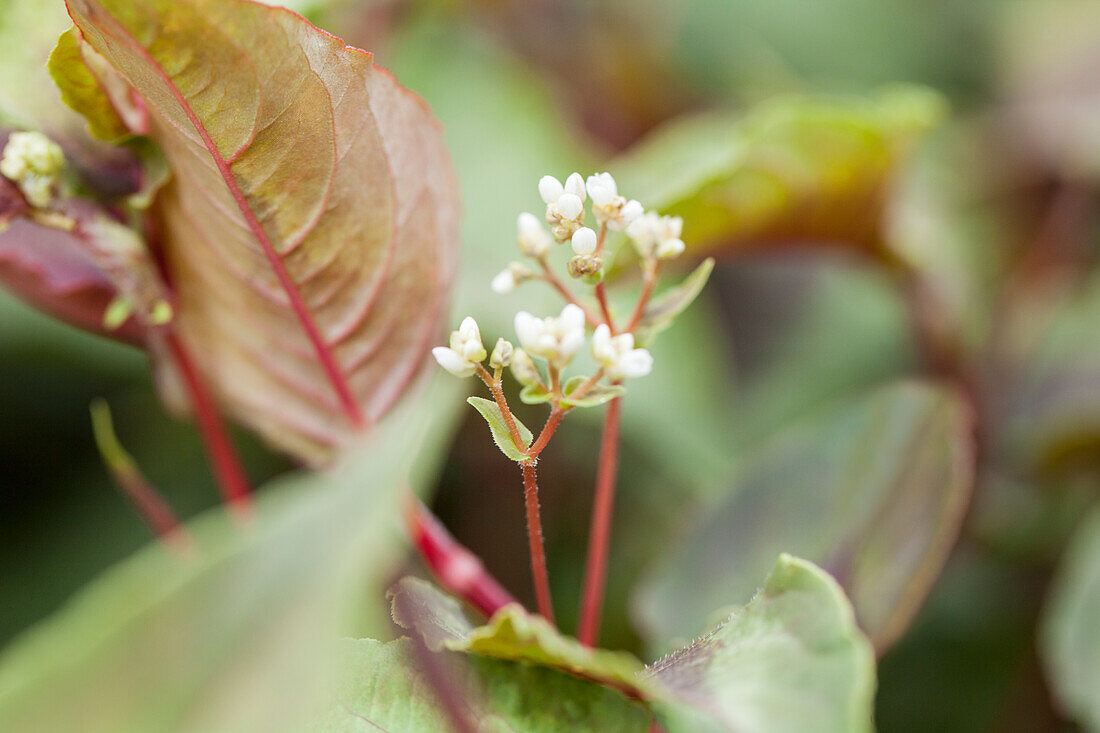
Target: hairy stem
pixel 652 270
pixel 493 383
pixel 224 462
pixel 599 537
pixel 534 539
pixel 455 567
pixel 549 276
pixel 548 429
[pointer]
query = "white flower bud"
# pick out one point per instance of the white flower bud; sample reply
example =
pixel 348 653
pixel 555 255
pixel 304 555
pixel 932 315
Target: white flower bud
pixel 550 189
pixel 534 240
pixel 617 355
pixel 656 235
pixel 570 206
pixel 524 369
pixel 584 241
pixel 465 352
pixel 503 282
pixel 574 184
pixel 502 354
pixel 670 248
pixel 602 189
pixel 555 339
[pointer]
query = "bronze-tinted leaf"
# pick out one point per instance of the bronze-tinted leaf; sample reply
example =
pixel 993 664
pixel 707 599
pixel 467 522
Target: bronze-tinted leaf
pixel 310 226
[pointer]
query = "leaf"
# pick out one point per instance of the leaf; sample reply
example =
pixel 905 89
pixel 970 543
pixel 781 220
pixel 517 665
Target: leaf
pixel 241 636
pixel 534 394
pixel 502 436
pixel 1069 637
pixel 81 90
pixel 385 689
pixel 594 396
pixel 310 227
pixel 662 310
pixel 511 634
pixel 873 490
pixel 791 660
pixel 806 169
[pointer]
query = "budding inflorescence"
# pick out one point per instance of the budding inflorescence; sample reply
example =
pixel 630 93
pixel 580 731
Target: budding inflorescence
pixel 547 345
pixel 33 162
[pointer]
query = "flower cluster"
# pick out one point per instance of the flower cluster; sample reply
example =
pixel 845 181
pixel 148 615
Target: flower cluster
pixel 33 162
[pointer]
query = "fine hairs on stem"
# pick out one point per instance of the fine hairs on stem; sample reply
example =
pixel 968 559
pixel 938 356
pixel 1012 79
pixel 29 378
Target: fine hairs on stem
pixel 548 345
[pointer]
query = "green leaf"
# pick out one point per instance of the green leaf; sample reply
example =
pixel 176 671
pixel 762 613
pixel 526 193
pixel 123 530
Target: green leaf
pixel 385 689
pixel 873 490
pixel 511 634
pixel 596 395
pixel 662 310
pixel 82 90
pixel 310 232
pixel 1069 638
pixel 803 169
pixel 501 435
pixel 792 660
pixel 240 634
pixel 534 394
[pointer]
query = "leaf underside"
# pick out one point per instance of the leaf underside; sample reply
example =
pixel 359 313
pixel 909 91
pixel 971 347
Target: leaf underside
pixel 311 223
pixel 502 436
pixel 873 490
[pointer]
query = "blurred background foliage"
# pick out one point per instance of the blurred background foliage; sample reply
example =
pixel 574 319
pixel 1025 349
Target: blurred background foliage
pixel 864 233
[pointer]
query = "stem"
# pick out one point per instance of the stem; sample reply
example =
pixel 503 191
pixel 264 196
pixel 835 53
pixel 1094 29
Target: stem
pixel 230 475
pixel 548 429
pixel 534 539
pixel 493 383
pixel 455 567
pixel 652 270
pixel 549 276
pixel 599 538
pixel 601 298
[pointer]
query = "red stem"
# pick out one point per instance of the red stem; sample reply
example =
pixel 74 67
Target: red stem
pixel 650 281
pixel 548 429
pixel 601 298
pixel 456 568
pixel 232 480
pixel 599 538
pixel 534 539
pixel 548 276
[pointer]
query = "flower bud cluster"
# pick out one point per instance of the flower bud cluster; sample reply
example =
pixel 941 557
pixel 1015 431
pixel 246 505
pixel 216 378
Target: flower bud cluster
pixel 33 162
pixel 656 236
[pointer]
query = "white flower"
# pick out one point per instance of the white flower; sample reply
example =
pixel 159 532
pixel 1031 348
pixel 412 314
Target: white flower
pixel 657 236
pixel 608 206
pixel 564 204
pixel 507 279
pixel 584 241
pixel 534 240
pixel 32 161
pixel 555 339
pixel 465 352
pixel 617 355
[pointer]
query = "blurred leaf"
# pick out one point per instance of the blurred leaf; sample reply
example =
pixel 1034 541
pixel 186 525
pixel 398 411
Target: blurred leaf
pixel 791 170
pixel 662 310
pixel 385 689
pixel 502 436
pixel 237 636
pixel 791 660
pixel 593 397
pixel 1070 634
pixel 310 210
pixel 874 490
pixel 82 90
pixel 1048 56
pixel 511 634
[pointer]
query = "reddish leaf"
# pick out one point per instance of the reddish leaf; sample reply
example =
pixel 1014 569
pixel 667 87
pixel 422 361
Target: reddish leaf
pixel 311 225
